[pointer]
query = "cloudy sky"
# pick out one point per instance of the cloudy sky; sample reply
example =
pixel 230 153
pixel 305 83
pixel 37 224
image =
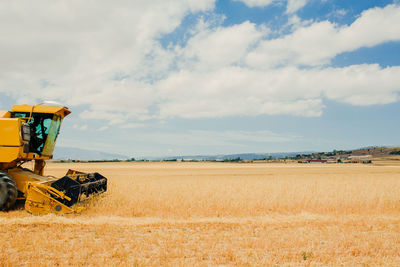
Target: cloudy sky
pixel 179 77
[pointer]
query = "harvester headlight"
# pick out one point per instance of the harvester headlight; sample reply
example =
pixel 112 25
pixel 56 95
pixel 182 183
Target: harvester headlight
pixel 26 132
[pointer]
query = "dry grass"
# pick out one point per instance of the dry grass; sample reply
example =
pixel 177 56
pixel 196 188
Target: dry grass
pixel 387 161
pixel 219 213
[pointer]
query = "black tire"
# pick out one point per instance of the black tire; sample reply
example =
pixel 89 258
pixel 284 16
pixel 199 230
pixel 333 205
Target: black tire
pixel 8 192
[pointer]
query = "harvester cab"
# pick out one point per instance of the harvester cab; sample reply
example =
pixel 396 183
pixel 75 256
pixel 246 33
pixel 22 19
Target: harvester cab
pixel 29 133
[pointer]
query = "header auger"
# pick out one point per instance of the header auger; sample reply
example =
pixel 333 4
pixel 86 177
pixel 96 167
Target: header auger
pixel 30 133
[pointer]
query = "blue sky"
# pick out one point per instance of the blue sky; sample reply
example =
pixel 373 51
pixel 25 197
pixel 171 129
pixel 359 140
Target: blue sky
pixel 184 77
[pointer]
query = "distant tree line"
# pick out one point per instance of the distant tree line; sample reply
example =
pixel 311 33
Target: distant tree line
pixel 97 161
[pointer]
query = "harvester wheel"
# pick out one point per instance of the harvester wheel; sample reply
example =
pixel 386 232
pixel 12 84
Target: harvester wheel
pixel 8 192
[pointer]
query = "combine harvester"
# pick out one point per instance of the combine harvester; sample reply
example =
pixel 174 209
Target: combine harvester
pixel 30 133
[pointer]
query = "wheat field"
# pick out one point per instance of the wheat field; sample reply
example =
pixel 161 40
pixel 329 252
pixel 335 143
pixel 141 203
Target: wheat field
pixel 205 214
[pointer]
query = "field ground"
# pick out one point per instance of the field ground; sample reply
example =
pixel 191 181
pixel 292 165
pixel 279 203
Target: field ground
pixel 184 214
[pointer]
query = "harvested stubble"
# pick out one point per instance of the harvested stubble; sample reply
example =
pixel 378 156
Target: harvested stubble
pixel 219 213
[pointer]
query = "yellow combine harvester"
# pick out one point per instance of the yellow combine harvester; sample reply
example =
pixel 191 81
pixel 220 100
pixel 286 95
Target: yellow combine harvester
pixel 30 133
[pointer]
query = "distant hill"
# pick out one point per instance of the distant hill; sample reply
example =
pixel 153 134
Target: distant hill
pixel 65 153
pixel 373 152
pixel 376 151
pixel 242 156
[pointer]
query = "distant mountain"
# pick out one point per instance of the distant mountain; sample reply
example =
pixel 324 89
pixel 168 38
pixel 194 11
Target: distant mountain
pixel 65 153
pixel 371 150
pixel 376 151
pixel 243 156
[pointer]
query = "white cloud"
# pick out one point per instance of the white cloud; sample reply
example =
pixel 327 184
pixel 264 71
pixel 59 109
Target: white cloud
pixel 294 5
pixel 238 91
pixel 222 46
pixel 103 128
pixel 338 13
pixel 75 45
pixel 192 142
pixel 318 43
pixel 256 3
pixel 83 127
pixel 360 85
pixel 295 22
pixel 131 125
pixel 228 138
pixel 108 58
